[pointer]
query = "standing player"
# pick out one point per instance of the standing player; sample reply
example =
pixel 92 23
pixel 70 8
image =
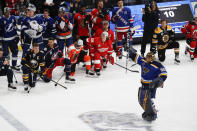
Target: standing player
pixel 53 58
pixel 10 38
pixel 122 18
pixel 99 15
pixel 190 30
pixel 164 38
pixel 6 71
pixel 32 28
pixel 64 28
pixel 50 31
pixel 153 75
pixel 31 62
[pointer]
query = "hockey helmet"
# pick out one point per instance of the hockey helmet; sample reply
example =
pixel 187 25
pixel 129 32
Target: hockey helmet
pixel 62 9
pixel 6 9
pixel 151 56
pixel 80 42
pixel 104 34
pixel 32 7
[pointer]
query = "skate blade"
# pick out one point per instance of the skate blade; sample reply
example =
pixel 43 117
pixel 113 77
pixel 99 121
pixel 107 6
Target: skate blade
pixel 10 89
pixel 70 82
pixel 177 63
pixel 92 76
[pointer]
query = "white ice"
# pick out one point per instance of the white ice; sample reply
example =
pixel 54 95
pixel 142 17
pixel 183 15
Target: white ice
pixel 50 108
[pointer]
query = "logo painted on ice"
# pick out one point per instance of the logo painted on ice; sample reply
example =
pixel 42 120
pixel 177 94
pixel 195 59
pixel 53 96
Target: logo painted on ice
pixel 112 121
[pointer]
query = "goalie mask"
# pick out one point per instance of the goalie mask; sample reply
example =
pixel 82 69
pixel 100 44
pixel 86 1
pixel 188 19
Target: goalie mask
pixel 33 63
pixel 150 57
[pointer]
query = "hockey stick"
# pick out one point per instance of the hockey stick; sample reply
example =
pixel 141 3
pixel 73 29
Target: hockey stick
pixel 59 79
pixel 126 68
pixel 15 77
pixel 59 84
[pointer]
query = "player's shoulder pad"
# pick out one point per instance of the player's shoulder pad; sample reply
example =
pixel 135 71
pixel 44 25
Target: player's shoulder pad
pixel 157 64
pixel 169 27
pixel 158 30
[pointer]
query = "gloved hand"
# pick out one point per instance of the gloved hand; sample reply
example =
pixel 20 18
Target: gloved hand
pixel 62 24
pixel 111 59
pixel 188 35
pixel 153 49
pixel 157 82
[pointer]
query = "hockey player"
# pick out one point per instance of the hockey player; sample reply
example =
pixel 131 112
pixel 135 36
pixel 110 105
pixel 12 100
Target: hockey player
pixel 103 51
pixel 32 29
pixel 122 18
pixel 164 38
pixel 31 62
pixel 99 15
pixel 73 54
pixel 153 75
pixel 6 71
pixel 191 35
pixel 53 58
pixel 82 24
pixel 64 28
pixel 105 29
pixel 10 38
pixel 50 27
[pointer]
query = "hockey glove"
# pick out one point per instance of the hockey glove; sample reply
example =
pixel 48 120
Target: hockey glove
pixel 157 82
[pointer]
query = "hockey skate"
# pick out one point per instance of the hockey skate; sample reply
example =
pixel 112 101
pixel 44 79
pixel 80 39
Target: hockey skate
pixel 26 88
pixel 90 73
pixel 177 60
pixel 69 79
pixel 192 57
pixel 16 68
pixel 11 87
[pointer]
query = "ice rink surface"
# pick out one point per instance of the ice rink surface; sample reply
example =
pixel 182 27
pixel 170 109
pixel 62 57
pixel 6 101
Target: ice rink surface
pixel 107 103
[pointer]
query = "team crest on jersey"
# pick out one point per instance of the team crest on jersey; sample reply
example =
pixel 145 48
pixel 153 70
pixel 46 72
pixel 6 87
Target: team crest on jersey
pixel 99 45
pixel 113 121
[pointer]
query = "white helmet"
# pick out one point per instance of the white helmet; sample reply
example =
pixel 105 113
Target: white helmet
pixel 7 9
pixel 80 42
pixel 32 7
pixel 105 34
pixel 62 9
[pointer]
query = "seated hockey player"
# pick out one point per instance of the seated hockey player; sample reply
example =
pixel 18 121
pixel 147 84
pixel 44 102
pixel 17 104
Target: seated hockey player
pixel 164 38
pixel 153 75
pixel 102 52
pixel 6 71
pixel 53 58
pixel 73 54
pixel 191 35
pixel 31 62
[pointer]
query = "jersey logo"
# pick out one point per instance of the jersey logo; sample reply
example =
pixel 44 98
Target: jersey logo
pixel 144 69
pixel 9 27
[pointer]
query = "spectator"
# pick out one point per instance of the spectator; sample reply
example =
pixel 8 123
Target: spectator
pixel 52 7
pixel 38 4
pixel 151 20
pixel 11 4
pixel 21 7
pixel 75 6
pixel 2 6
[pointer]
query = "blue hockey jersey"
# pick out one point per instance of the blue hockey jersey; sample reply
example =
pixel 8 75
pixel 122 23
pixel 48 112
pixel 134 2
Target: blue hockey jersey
pixel 50 28
pixel 64 26
pixel 149 71
pixel 122 19
pixel 33 27
pixel 8 28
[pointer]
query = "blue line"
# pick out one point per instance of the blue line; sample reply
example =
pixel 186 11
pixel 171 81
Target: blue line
pixel 12 120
